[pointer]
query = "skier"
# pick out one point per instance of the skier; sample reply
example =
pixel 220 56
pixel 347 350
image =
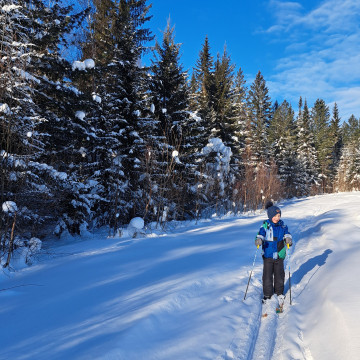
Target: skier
pixel 273 236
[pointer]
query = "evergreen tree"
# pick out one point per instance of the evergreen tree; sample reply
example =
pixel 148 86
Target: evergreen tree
pixel 348 175
pixel 204 76
pixel 240 112
pixel 335 137
pixel 320 117
pixel 224 125
pixel 43 105
pixel 239 131
pixel 306 152
pixel 121 84
pixel 169 97
pixel 260 115
pixel 282 140
pixel 100 42
pixel 193 93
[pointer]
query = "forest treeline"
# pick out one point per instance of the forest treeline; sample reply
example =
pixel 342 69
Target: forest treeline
pixel 104 139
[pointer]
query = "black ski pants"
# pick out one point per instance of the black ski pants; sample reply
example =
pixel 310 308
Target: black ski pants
pixel 273 277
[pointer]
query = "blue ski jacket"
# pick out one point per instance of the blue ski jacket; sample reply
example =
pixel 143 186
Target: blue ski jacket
pixel 273 235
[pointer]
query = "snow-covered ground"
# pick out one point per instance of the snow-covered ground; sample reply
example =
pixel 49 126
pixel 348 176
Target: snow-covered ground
pixel 180 295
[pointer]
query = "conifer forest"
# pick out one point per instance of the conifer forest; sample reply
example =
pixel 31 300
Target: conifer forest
pixel 101 140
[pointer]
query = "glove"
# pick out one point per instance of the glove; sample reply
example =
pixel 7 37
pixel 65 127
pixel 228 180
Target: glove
pixel 288 240
pixel 258 242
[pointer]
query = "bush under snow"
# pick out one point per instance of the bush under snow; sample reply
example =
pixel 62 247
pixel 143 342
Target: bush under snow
pixel 135 226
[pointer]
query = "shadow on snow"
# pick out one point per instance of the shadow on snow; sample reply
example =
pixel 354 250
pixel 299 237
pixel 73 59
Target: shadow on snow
pixel 307 267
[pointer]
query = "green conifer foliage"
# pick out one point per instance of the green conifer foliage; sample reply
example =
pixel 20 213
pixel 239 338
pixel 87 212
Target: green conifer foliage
pixel 46 134
pixel 223 102
pixel 116 39
pixel 169 99
pixel 348 171
pixel 205 92
pixel 282 140
pixel 337 143
pixel 320 119
pixel 260 113
pixel 306 152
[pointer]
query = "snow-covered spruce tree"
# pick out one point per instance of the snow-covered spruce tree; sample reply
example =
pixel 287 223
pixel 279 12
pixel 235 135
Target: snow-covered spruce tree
pixel 168 99
pixel 260 112
pixel 282 140
pixel 39 99
pixel 348 176
pixel 64 133
pixel 18 117
pixel 118 32
pixel 217 176
pixel 306 153
pixel 240 120
pixel 320 118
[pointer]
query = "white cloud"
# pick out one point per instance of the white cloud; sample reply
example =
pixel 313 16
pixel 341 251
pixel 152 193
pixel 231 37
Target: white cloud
pixel 333 15
pixel 321 55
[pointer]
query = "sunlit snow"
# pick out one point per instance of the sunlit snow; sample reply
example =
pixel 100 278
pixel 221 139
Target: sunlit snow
pixel 178 292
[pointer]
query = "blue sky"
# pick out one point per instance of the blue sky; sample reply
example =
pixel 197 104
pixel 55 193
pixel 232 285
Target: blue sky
pixel 303 48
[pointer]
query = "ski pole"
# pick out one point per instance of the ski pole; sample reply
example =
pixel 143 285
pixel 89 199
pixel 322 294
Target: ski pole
pixel 288 246
pixel 257 248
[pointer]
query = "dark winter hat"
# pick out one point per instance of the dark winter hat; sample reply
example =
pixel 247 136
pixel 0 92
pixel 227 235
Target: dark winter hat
pixel 272 210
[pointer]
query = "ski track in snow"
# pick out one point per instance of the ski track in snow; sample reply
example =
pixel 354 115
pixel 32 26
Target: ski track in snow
pixel 264 341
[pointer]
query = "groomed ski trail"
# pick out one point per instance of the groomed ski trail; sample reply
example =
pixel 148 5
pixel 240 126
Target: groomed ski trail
pixel 264 342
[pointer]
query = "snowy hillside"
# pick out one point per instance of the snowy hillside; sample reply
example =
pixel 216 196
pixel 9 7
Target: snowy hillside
pixel 180 295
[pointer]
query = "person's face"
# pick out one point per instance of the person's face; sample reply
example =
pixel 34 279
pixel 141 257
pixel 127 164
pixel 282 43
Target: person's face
pixel 276 218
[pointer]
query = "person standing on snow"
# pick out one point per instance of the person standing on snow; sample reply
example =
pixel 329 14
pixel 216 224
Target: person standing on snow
pixel 273 236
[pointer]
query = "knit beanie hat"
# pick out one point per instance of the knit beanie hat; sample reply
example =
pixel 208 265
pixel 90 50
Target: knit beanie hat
pixel 272 210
